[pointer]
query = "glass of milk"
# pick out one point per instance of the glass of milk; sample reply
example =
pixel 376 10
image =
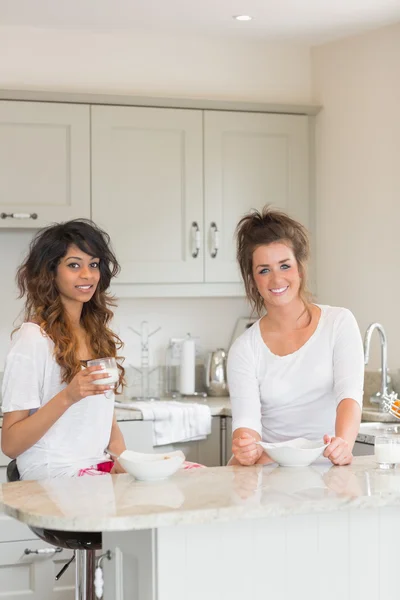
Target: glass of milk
pixel 387 451
pixel 109 366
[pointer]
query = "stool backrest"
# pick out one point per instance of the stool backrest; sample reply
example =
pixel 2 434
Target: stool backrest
pixel 12 471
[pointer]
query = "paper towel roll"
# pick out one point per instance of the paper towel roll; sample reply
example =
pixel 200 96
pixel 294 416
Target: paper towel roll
pixel 187 370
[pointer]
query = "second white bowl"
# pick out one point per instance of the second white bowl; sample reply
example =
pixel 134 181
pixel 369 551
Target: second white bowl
pixel 294 453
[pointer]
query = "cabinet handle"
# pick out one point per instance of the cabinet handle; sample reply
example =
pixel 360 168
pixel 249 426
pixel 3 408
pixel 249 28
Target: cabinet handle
pixel 43 551
pixel 215 234
pixel 18 215
pixel 197 239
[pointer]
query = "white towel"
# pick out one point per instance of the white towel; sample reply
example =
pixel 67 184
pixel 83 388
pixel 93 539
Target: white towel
pixel 174 421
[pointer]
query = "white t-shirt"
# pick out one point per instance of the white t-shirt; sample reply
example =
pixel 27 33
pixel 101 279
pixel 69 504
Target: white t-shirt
pixel 79 437
pixel 285 397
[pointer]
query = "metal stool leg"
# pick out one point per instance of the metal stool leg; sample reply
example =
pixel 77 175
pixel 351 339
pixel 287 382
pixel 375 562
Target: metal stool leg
pixel 84 574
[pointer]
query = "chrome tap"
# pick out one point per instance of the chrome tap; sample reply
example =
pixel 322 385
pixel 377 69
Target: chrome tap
pixel 379 397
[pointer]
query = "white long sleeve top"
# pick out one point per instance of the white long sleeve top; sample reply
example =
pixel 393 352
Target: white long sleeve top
pixel 284 397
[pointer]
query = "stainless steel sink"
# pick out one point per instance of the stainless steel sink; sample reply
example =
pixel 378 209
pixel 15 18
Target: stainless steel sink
pixel 369 430
pixel 379 427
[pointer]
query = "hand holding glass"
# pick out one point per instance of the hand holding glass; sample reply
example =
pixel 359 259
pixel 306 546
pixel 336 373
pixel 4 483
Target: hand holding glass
pixel 110 368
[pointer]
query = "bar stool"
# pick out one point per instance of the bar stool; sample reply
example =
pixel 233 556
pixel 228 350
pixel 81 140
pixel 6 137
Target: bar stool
pixel 84 545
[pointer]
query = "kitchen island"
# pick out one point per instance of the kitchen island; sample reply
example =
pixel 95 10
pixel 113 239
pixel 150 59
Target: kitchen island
pixel 232 532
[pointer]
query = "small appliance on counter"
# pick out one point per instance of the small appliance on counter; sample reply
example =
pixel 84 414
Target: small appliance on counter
pixel 215 377
pixel 242 325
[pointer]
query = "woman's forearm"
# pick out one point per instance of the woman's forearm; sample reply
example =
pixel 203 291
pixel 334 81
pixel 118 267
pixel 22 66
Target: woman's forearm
pixel 348 418
pixel 117 442
pixel 20 431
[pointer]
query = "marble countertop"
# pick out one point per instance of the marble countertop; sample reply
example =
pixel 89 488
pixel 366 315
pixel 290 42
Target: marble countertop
pixel 199 496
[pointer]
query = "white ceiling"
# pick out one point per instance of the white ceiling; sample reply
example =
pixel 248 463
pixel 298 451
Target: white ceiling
pixel 309 21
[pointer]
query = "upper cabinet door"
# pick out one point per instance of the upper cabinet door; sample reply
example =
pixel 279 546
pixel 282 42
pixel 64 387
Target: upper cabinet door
pixel 251 160
pixel 44 163
pixel 147 190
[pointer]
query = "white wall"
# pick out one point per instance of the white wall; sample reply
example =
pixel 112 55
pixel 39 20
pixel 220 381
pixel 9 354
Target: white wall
pixel 150 64
pixel 147 65
pixel 357 80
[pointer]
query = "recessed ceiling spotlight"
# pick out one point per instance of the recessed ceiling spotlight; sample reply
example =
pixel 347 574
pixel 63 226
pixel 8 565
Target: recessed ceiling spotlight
pixel 242 17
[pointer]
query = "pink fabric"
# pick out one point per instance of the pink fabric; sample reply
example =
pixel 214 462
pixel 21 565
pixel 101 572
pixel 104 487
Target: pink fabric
pixel 105 467
pixel 102 468
pixel 191 465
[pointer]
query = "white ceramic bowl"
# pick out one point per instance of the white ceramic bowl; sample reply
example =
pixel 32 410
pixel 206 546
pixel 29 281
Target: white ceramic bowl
pixel 294 453
pixel 150 467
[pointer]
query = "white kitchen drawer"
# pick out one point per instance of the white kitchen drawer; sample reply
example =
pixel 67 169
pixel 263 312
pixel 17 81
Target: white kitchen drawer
pixel 33 576
pixel 138 435
pixel 10 529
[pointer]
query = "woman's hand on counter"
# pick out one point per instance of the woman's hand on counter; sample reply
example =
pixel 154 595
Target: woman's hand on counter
pixel 338 450
pixel 244 447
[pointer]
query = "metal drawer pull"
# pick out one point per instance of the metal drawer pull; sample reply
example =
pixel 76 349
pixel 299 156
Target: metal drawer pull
pixel 18 215
pixel 197 239
pixel 215 233
pixel 65 567
pixel 43 551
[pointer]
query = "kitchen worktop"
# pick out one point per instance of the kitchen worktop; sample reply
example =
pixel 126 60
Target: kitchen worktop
pixel 199 496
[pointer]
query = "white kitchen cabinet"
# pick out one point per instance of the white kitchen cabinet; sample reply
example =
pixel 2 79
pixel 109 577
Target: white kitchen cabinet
pixel 44 163
pixel 32 576
pixel 148 166
pixel 147 190
pixel 138 435
pixel 206 452
pixel 250 159
pixel 228 440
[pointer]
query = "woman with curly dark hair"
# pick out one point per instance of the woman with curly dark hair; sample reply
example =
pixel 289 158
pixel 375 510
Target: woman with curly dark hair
pixel 57 420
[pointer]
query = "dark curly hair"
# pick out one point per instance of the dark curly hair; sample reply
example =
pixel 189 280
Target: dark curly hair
pixel 36 280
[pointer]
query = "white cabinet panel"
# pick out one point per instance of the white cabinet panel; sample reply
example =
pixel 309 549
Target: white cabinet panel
pixel 228 439
pixel 207 452
pixel 32 577
pixel 250 160
pixel 147 190
pixel 44 162
pixel 138 435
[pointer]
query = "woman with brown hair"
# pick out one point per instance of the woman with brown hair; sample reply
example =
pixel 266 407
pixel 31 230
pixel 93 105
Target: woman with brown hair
pixel 299 370
pixel 57 420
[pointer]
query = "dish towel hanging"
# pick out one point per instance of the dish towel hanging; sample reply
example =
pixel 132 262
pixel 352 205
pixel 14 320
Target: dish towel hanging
pixel 174 421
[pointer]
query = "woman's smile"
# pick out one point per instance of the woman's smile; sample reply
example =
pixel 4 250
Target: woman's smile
pixel 279 291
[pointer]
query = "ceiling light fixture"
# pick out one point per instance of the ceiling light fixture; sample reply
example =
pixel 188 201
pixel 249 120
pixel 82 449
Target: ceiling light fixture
pixel 242 17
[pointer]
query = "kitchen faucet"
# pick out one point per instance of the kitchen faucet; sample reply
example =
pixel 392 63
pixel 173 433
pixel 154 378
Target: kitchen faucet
pixel 379 397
